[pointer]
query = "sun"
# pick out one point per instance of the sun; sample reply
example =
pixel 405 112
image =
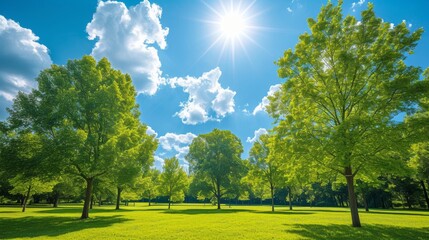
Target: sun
pixel 231 26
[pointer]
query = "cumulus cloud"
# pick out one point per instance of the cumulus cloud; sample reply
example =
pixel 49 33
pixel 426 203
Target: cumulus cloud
pixel 127 37
pixel 177 145
pixel 150 131
pixel 289 9
pixel 207 100
pixel 22 57
pixel 262 106
pixel 357 4
pixel 257 133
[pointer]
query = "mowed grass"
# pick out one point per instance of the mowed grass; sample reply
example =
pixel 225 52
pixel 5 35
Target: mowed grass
pixel 205 222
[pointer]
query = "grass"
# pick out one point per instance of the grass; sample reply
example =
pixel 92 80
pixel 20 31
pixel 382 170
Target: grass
pixel 205 222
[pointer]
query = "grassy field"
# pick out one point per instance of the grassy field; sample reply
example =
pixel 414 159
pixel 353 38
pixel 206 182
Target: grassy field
pixel 205 222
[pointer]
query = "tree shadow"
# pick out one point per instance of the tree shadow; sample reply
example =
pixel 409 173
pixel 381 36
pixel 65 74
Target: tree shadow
pixel 204 211
pixel 79 210
pixel 398 212
pixel 367 231
pixel 285 212
pixel 27 227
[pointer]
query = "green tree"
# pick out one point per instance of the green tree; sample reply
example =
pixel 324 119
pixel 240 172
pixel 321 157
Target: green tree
pixel 150 184
pixel 215 158
pixel 420 164
pixel 264 163
pixel 80 106
pixel 173 180
pixel 133 151
pixel 346 80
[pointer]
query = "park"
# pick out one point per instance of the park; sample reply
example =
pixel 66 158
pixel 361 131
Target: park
pixel 346 157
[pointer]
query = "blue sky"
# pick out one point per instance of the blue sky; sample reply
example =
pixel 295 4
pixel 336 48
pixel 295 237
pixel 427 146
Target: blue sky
pixel 180 54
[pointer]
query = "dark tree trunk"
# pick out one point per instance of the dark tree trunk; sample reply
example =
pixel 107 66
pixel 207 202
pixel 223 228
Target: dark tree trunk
pixel 149 200
pixel 290 198
pixel 118 198
pixel 272 197
pixel 365 202
pixel 352 197
pixel 169 202
pixel 99 201
pixel 425 192
pixel 88 193
pixel 27 196
pixel 218 194
pixel 56 200
pixel 92 201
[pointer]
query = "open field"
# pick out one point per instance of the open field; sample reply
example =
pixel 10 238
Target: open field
pixel 205 222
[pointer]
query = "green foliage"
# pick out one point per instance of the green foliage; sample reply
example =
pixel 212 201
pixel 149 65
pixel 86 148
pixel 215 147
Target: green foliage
pixel 22 185
pixel 173 180
pixel 150 182
pixel 214 158
pixel 420 160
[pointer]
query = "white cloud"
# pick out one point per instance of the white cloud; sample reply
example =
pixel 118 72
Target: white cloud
pixel 22 57
pixel 257 133
pixel 174 145
pixel 289 9
pixel 262 106
pixel 391 26
pixel 127 37
pixel 357 4
pixel 150 131
pixel 206 98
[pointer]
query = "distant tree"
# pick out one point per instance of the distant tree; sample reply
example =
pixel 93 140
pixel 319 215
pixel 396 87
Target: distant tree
pixel 215 159
pixel 80 106
pixel 150 183
pixel 264 164
pixel 420 163
pixel 346 81
pixel 173 180
pixel 132 148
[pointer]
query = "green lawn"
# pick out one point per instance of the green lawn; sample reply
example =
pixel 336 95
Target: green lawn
pixel 205 222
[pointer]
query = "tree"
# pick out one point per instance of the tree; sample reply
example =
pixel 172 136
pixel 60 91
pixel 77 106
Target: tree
pixel 215 158
pixel 150 184
pixel 80 106
pixel 173 180
pixel 262 158
pixel 27 187
pixel 420 163
pixel 346 81
pixel 133 151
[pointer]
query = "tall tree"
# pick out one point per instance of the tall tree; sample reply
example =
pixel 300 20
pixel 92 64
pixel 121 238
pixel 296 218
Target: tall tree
pixel 420 163
pixel 215 158
pixel 79 106
pixel 346 81
pixel 173 180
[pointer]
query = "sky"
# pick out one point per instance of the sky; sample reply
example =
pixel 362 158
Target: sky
pixel 196 64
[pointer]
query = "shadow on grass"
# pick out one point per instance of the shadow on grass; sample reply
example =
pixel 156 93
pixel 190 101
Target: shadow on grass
pixel 27 227
pixel 399 212
pixel 204 211
pixel 285 212
pixel 367 231
pixel 78 210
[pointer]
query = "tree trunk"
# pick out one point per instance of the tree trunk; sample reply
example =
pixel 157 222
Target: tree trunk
pixel 218 194
pixel 149 200
pixel 27 196
pixel 99 201
pixel 118 198
pixel 352 197
pixel 169 202
pixel 272 197
pixel 425 192
pixel 365 203
pixel 290 198
pixel 56 200
pixel 88 193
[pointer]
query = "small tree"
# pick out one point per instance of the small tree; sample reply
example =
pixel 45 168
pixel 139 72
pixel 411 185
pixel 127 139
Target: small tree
pixel 173 180
pixel 150 184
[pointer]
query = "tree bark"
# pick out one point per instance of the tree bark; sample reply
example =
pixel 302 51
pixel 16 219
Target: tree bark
pixel 425 192
pixel 365 203
pixel 169 202
pixel 272 197
pixel 218 194
pixel 56 200
pixel 149 200
pixel 92 201
pixel 352 197
pixel 27 196
pixel 290 198
pixel 88 193
pixel 118 198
